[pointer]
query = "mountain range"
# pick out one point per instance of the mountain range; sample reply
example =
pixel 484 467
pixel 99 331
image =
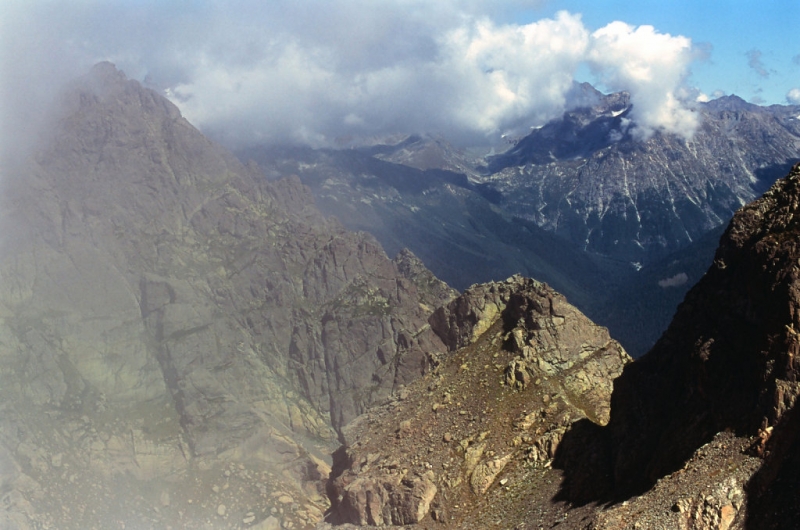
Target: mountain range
pixel 191 340
pixel 581 203
pixel 538 419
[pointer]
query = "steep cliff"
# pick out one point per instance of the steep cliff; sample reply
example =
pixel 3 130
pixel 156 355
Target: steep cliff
pixel 729 359
pixel 178 339
pixel 704 431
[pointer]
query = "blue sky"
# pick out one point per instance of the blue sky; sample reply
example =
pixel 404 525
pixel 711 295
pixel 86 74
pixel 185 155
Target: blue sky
pixel 318 71
pixel 739 32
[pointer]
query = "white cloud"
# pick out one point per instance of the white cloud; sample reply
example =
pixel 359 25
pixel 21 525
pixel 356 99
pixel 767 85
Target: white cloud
pixel 473 80
pixel 507 74
pixel 246 70
pixel 653 67
pixel 793 96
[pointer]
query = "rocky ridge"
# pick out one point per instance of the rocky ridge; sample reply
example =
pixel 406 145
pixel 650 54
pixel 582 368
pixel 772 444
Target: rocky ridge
pixel 477 436
pixel 726 363
pixel 180 340
pixel 590 179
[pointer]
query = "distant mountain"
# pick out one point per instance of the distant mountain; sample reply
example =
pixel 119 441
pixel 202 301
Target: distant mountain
pixel 586 178
pixel 447 219
pixel 181 340
pixel 579 203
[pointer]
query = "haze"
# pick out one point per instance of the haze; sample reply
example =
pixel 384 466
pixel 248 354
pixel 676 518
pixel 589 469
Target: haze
pixel 319 72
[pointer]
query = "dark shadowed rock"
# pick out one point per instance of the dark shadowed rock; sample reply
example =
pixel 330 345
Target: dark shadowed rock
pixel 727 360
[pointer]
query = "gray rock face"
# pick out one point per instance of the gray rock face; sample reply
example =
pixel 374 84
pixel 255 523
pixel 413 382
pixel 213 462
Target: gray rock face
pixel 447 448
pixel 164 312
pixel 587 179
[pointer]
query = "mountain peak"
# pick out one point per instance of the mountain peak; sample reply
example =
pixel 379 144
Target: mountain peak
pixel 106 70
pixel 731 102
pixel 175 312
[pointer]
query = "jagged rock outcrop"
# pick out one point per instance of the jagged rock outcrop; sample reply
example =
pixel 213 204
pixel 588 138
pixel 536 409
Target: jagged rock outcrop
pixel 704 430
pixel 169 321
pixel 451 443
pixel 548 335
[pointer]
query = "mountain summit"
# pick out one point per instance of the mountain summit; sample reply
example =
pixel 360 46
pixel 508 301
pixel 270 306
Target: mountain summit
pixel 181 340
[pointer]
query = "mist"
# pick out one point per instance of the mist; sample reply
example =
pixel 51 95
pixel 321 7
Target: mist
pixel 249 72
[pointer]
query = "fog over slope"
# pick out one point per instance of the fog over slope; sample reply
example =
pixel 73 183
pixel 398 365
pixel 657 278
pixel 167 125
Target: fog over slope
pixel 176 333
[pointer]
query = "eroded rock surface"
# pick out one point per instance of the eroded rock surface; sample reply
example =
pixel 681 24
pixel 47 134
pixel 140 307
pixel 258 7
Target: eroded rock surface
pixel 470 429
pixel 165 314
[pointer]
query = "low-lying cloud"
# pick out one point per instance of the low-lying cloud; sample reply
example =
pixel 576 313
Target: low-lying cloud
pixel 314 71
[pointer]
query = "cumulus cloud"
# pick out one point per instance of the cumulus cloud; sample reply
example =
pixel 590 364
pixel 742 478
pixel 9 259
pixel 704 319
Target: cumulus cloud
pixel 248 71
pixel 511 73
pixel 793 96
pixel 652 66
pixel 471 80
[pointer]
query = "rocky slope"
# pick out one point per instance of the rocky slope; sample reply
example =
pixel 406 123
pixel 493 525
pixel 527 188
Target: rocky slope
pixel 470 445
pixel 179 340
pixel 702 432
pixel 727 362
